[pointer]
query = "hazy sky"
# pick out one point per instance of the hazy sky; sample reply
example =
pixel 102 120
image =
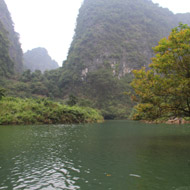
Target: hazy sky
pixel 51 23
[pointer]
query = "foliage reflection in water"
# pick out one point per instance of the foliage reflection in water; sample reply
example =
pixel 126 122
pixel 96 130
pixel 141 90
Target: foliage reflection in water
pixel 113 155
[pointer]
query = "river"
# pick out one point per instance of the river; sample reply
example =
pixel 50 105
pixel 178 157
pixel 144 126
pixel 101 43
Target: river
pixel 115 155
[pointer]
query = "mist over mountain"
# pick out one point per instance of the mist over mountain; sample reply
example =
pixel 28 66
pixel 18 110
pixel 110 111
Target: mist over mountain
pixel 12 38
pixel 39 59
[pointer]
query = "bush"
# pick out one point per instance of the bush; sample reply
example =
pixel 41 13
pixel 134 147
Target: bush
pixel 44 111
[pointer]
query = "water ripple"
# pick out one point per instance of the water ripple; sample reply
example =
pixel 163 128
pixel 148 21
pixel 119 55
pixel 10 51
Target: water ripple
pixel 91 158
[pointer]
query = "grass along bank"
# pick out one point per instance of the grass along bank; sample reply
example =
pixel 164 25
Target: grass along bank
pixel 43 111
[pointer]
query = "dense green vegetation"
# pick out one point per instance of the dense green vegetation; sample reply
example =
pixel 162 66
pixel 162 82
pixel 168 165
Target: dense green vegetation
pixel 43 111
pixel 39 59
pixel 111 91
pixel 100 89
pixel 164 90
pixel 33 84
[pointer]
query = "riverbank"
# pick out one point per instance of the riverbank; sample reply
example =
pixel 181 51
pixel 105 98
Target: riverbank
pixel 43 111
pixel 170 121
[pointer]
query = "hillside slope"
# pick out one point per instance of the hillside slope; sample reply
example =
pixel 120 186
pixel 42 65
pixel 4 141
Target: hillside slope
pixel 113 37
pixel 6 64
pixel 119 34
pixel 15 50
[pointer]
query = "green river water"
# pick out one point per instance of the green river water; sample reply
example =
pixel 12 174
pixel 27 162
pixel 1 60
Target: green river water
pixel 115 155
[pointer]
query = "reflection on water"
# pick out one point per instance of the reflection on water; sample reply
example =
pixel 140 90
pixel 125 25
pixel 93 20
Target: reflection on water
pixel 113 155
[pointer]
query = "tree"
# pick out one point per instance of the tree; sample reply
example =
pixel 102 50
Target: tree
pixel 2 93
pixel 164 90
pixel 72 100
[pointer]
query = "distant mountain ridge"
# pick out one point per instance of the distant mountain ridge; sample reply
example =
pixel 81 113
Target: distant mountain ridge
pixel 39 59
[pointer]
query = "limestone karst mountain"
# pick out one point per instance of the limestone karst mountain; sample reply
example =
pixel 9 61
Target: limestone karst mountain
pixel 39 59
pixel 113 37
pixel 119 34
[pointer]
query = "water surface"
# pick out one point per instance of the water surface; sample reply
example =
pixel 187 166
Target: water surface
pixel 115 155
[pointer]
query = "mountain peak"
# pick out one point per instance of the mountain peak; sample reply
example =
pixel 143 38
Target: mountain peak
pixel 39 59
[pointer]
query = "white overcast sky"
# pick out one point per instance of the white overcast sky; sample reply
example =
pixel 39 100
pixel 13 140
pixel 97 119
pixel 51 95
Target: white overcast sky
pixel 51 23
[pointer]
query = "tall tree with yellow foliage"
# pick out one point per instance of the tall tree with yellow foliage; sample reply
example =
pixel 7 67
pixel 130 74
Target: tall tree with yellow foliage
pixel 164 89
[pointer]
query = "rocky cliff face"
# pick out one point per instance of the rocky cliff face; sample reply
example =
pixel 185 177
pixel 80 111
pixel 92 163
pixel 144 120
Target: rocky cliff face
pixel 119 34
pixel 38 59
pixel 15 51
